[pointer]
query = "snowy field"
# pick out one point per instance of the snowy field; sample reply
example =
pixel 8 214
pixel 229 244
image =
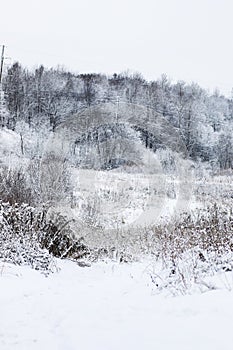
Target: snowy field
pixel 108 306
pixel 117 199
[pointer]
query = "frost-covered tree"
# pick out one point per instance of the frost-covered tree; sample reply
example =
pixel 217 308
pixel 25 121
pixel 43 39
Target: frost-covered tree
pixel 50 97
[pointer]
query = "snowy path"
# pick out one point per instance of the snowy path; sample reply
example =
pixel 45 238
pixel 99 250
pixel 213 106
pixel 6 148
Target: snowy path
pixel 107 307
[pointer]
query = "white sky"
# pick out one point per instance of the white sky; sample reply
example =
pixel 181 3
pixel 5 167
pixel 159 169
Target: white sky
pixel 188 40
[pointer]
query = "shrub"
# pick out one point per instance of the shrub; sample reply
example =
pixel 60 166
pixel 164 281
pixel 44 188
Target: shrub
pixel 60 240
pixel 13 187
pixel 20 227
pixel 30 236
pixel 193 248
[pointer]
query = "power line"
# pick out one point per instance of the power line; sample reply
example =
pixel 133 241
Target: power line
pixel 2 62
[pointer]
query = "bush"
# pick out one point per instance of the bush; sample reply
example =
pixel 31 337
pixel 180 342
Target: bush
pixel 211 230
pixel 60 240
pixel 28 236
pixel 13 187
pixel 193 248
pixel 20 229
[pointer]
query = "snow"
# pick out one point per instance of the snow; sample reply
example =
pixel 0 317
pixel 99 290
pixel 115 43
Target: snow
pixel 116 199
pixel 107 306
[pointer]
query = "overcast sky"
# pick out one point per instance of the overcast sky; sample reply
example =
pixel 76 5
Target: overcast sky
pixel 189 40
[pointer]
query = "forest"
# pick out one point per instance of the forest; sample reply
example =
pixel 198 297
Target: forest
pixel 202 121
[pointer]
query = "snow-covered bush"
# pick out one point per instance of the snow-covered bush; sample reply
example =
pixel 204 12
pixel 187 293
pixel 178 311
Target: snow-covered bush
pixel 193 248
pixel 32 237
pixel 14 187
pixel 20 229
pixel 60 240
pixel 193 271
pixel 54 178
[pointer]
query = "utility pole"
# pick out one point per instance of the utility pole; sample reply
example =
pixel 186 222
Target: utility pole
pixel 2 62
pixel 3 111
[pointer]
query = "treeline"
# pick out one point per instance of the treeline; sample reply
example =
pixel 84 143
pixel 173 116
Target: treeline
pixel 203 122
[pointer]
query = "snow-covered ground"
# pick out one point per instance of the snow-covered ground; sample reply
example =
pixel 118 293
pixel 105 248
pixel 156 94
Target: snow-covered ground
pixel 115 199
pixel 107 306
